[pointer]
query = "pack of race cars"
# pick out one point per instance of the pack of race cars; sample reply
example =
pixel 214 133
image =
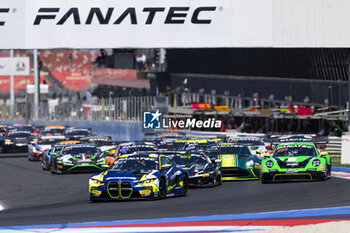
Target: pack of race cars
pixel 167 163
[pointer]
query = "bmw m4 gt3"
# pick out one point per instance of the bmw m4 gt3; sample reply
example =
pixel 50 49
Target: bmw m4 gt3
pixel 139 175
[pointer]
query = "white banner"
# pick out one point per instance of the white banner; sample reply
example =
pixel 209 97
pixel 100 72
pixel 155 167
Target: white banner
pixel 134 23
pixel 14 66
pixel 41 24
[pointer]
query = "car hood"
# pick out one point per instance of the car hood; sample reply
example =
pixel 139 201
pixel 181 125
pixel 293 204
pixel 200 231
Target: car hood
pixel 124 175
pixel 297 161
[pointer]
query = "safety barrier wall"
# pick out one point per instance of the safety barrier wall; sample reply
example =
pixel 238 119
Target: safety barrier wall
pixel 120 131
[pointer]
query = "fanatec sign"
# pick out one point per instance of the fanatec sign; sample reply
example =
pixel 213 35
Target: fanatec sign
pixel 45 24
pixel 174 15
pixel 41 24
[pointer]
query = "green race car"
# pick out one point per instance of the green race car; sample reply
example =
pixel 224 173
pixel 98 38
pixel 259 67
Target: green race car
pixel 296 161
pixel 237 161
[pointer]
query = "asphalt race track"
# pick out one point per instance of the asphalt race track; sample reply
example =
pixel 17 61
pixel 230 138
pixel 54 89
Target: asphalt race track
pixel 30 196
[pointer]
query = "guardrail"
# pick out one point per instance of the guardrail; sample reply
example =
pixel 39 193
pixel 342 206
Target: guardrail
pixel 334 146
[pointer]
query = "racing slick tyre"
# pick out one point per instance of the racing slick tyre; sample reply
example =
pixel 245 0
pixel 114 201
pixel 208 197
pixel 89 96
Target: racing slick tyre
pixel 44 166
pixel 93 199
pixel 329 170
pixel 218 180
pixel 185 185
pixel 264 180
pixel 162 189
pixel 53 167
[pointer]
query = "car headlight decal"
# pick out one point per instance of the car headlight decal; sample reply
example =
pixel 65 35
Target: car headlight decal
pixel 269 163
pixel 316 163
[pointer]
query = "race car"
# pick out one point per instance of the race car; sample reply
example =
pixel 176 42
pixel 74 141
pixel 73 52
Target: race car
pixel 139 175
pixel 296 161
pixel 24 127
pixel 319 142
pixel 237 162
pixel 199 144
pixel 3 130
pixel 158 136
pixel 201 170
pixel 51 130
pixel 255 144
pixel 78 158
pixel 37 148
pixel 77 133
pixel 54 151
pixel 129 148
pixel 16 141
pixel 103 142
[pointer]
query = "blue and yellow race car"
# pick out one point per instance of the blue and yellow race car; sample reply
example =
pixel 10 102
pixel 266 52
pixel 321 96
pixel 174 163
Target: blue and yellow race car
pixel 139 175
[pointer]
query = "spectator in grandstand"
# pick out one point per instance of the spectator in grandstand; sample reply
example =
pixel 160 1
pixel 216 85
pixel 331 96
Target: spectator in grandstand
pixel 100 60
pixel 140 61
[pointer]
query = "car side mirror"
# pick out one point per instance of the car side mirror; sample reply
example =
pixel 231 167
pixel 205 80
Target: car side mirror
pixel 258 152
pixel 266 155
pixel 217 161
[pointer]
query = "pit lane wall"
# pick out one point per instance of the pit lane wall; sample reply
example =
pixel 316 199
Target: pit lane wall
pixel 119 131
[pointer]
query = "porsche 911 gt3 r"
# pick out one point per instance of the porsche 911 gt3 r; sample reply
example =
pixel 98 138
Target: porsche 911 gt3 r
pixel 296 161
pixel 139 175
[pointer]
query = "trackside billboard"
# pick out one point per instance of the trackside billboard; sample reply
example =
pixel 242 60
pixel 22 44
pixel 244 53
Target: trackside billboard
pixel 130 23
pixel 28 24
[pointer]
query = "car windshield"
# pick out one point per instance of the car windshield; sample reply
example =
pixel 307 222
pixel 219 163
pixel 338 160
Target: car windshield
pixel 136 164
pixel 134 148
pixel 295 150
pixel 80 150
pixel 54 131
pixel 189 161
pixel 239 150
pixel 77 132
pixel 98 142
pixel 199 146
pixel 24 128
pixel 250 142
pixel 19 135
pixel 170 145
pixel 51 141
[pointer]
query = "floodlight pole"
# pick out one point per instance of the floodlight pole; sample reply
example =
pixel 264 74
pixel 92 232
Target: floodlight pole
pixel 36 86
pixel 12 92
